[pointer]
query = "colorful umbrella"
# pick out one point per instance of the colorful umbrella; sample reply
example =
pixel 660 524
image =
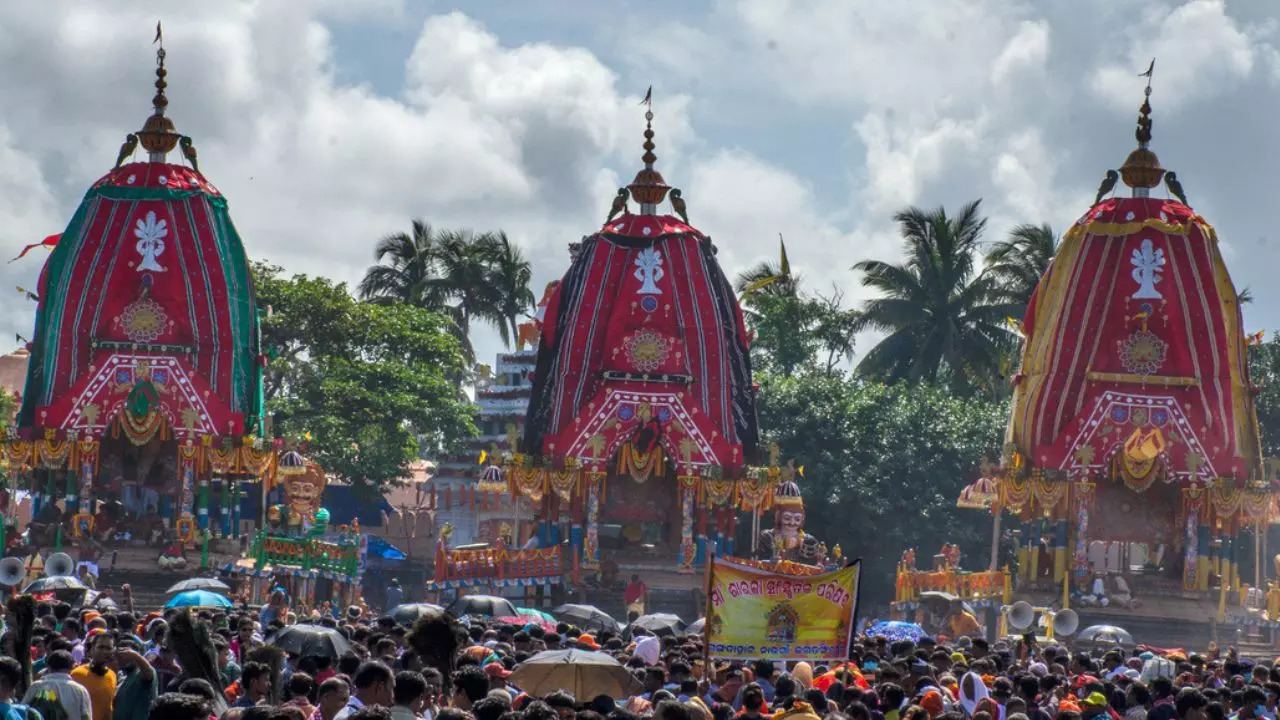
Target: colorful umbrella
pixel 895 630
pixel 198 599
pixel 522 620
pixel 532 612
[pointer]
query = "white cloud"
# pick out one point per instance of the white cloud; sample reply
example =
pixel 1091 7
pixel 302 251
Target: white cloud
pixel 1027 50
pixel 1200 51
pixel 810 118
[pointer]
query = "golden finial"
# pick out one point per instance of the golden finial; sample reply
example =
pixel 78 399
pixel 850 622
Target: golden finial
pixel 1141 170
pixel 648 188
pixel 158 135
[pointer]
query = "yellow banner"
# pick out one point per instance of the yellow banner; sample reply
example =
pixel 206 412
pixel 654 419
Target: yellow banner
pixel 780 612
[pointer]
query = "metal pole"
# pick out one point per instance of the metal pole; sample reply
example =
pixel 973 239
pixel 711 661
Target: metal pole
pixel 1257 555
pixel 995 536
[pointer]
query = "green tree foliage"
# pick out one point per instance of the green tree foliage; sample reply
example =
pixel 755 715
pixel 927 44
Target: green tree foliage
pixel 459 274
pixel 1264 372
pixel 884 465
pixel 799 332
pixel 1019 261
pixel 942 316
pixel 373 384
pixel 793 329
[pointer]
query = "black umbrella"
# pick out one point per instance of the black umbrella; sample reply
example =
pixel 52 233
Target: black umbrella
pixel 586 617
pixel 488 605
pixel 660 624
pixel 310 640
pixel 408 613
pixel 582 673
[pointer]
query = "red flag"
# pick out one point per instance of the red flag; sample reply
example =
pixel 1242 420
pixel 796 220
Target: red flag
pixel 49 242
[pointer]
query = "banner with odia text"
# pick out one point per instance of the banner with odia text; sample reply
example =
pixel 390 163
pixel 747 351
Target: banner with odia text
pixel 757 610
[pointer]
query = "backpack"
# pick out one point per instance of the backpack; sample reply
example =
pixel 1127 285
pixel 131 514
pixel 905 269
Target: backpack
pixel 47 705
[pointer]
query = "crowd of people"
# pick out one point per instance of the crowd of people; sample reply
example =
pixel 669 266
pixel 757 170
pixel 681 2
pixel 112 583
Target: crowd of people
pixel 61 663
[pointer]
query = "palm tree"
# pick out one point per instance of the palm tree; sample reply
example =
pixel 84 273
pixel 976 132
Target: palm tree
pixel 940 314
pixel 511 274
pixel 463 261
pixel 411 267
pixel 785 285
pixel 1019 261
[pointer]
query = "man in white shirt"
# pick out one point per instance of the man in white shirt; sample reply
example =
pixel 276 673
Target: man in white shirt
pixel 410 695
pixel 57 686
pixel 375 685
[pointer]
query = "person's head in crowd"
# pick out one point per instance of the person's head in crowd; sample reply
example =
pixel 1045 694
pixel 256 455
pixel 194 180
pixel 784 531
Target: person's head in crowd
pixel 58 661
pixel 100 649
pixel 301 684
pixel 411 691
pixel 753 698
pixel 332 696
pixel 374 683
pixel 489 707
pixel 470 684
pixel 348 663
pixel 199 687
pixel 179 706
pixel 256 680
pixel 671 710
pixel 563 703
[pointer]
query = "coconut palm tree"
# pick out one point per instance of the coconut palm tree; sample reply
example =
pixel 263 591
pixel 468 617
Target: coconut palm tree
pixel 777 283
pixel 940 314
pixel 464 261
pixel 510 274
pixel 1019 261
pixel 409 267
pixel 446 271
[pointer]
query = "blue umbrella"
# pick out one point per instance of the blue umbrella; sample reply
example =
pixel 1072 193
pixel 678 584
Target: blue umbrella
pixel 198 599
pixel 895 630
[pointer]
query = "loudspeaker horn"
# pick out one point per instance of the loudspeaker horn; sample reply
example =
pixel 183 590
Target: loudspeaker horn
pixel 1021 615
pixel 59 565
pixel 1066 622
pixel 12 571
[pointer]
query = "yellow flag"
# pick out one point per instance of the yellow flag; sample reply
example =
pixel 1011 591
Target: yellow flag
pixel 800 470
pixel 484 455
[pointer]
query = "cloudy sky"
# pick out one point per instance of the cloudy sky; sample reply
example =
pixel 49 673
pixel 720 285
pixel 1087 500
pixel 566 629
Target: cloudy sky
pixel 331 123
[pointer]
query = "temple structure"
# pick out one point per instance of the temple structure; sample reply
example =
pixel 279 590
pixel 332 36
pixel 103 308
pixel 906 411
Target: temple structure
pixel 1132 458
pixel 470 487
pixel 143 397
pixel 641 437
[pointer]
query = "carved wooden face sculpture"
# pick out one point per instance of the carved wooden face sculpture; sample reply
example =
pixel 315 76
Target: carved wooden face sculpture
pixel 790 525
pixel 303 492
